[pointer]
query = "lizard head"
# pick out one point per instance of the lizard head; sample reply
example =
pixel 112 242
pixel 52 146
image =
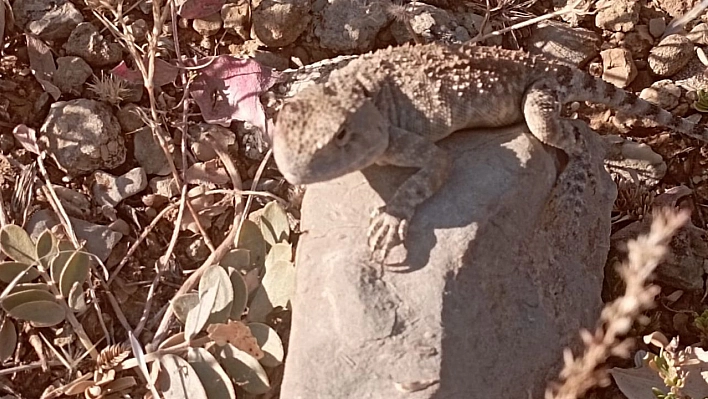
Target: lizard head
pixel 323 133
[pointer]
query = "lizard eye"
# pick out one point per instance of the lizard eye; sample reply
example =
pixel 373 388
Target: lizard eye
pixel 342 137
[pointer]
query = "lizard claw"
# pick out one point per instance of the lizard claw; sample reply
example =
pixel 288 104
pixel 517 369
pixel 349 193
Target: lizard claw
pixel 385 232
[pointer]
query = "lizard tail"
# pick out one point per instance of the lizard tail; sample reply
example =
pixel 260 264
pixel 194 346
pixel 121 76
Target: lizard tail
pixel 597 90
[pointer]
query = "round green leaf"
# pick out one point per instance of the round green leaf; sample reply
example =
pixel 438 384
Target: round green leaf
pixel 282 251
pixel 58 264
pixel 215 380
pixel 66 245
pixel 216 277
pixel 75 270
pixel 39 313
pixel 260 306
pixel 243 369
pixel 240 294
pixel 30 286
pixel 274 223
pixel 47 247
pixel 17 244
pixel 251 239
pixel 182 304
pixel 270 343
pixel 239 259
pixel 10 270
pixel 26 296
pixel 197 318
pixel 279 282
pixel 177 379
pixel 8 339
pixel 173 340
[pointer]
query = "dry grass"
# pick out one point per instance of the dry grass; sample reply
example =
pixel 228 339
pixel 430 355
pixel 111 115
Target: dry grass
pixel 586 371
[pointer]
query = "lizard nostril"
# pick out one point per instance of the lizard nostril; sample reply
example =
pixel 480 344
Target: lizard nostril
pixel 342 137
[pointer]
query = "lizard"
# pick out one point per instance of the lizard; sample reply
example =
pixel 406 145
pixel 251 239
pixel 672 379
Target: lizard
pixel 390 106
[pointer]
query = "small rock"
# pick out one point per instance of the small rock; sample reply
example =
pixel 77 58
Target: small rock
pixel 638 41
pixel 128 118
pixel 236 17
pixel 139 30
pixel 277 23
pixel 75 203
pixel 670 55
pixel 427 22
pixel 461 35
pixel 7 142
pixel 618 15
pixel 86 42
pixel 692 77
pixel 699 34
pixel 689 250
pixel 71 74
pixel 149 154
pixel 164 186
pixel 575 46
pixel 111 190
pixel 618 67
pixel 100 240
pixel 197 250
pixel 83 136
pixel 350 25
pixel 272 60
pixel 472 23
pixel 120 226
pixel 134 92
pixel 207 26
pixel 633 161
pixel 57 23
pixel 676 8
pixel 663 93
pixel 203 152
pixel 657 26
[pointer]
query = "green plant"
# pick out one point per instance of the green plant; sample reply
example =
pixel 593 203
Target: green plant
pixel 701 104
pixel 57 296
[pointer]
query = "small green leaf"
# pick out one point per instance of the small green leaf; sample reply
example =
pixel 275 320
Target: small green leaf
pixel 8 339
pixel 47 247
pixel 274 223
pixel 76 270
pixel 215 380
pixel 75 299
pixel 260 306
pixel 39 313
pixel 216 277
pixel 183 304
pixel 270 343
pixel 240 294
pixel 243 369
pixel 30 286
pixel 177 379
pixel 58 264
pixel 10 270
pixel 282 251
pixel 17 244
pixel 18 298
pixel 251 239
pixel 239 259
pixel 198 317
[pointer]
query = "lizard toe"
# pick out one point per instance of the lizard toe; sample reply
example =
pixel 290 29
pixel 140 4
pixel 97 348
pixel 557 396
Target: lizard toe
pixel 385 232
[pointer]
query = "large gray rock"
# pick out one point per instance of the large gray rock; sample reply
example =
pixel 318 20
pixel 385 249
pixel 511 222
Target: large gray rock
pixel 501 277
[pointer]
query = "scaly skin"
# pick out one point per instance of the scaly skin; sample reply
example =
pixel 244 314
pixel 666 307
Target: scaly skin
pixel 391 106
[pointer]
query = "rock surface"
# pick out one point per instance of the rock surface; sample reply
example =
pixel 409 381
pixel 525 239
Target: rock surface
pixel 500 279
pixel 83 136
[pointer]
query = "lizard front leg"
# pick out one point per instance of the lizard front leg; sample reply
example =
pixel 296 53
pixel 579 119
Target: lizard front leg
pixel 389 223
